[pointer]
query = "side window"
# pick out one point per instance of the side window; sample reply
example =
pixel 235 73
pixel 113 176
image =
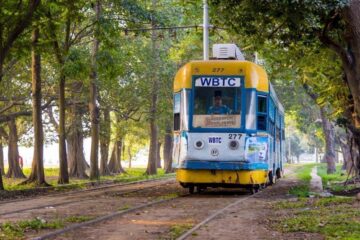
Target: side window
pixel 250 121
pixel 261 112
pixel 177 112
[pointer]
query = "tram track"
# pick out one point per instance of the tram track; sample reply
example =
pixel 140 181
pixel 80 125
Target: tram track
pixel 213 216
pixel 91 189
pixel 163 181
pixel 114 215
pixel 103 218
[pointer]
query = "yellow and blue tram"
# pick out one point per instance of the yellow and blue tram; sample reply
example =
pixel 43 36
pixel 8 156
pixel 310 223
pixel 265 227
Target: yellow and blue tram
pixel 228 124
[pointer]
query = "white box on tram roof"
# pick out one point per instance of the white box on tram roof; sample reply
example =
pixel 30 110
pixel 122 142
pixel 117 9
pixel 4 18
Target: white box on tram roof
pixel 227 51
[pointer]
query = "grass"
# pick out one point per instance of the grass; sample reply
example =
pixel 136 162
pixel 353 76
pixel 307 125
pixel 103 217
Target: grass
pixel 303 173
pixel 124 207
pixel 17 230
pixel 335 182
pixel 327 179
pixel 334 217
pixel 133 174
pixel 178 229
pixel 168 196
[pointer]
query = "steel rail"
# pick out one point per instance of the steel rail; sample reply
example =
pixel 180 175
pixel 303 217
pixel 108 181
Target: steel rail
pixel 212 216
pixel 73 201
pixel 102 218
pixel 72 192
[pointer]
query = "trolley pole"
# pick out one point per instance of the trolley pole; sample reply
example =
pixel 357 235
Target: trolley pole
pixel 206 30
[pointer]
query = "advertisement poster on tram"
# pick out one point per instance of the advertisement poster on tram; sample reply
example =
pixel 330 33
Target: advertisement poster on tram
pixel 256 149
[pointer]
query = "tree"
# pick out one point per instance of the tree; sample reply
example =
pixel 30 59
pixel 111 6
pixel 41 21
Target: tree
pixel 105 142
pixel 332 23
pixel 153 149
pixel 13 153
pixel 167 151
pixel 37 171
pixel 93 107
pixel 14 19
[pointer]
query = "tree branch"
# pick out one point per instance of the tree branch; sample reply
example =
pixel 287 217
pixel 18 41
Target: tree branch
pixel 329 42
pixel 19 27
pixel 8 117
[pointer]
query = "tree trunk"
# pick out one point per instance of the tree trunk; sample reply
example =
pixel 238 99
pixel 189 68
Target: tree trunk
pixel 351 56
pixel 1 181
pixel 158 158
pixel 105 142
pixel 153 149
pixel 345 149
pixel 1 158
pixel 167 151
pixel 115 159
pixel 328 128
pixel 130 156
pixel 1 164
pixel 63 170
pixel 93 107
pixel 14 170
pixel 75 142
pixel 37 172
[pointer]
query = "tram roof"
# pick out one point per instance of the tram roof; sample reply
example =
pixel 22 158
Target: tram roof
pixel 255 76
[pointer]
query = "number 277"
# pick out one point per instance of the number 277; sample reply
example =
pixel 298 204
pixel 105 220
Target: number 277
pixel 234 136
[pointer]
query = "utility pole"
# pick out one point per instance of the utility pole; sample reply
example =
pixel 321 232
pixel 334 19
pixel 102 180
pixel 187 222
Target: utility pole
pixel 206 31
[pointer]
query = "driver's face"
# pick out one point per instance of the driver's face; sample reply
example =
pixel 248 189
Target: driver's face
pixel 217 101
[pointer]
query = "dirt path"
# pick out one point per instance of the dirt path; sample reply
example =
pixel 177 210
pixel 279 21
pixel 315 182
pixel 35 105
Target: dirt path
pixel 246 220
pixel 250 218
pixel 98 202
pixel 160 221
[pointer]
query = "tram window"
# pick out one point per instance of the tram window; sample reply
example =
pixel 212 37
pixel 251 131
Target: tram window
pixel 262 104
pixel 250 110
pixel 261 122
pixel 217 107
pixel 271 110
pixel 271 128
pixel 177 112
pixel 283 134
pixel 176 121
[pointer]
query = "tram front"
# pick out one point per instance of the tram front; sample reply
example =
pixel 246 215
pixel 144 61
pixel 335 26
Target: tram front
pixel 217 141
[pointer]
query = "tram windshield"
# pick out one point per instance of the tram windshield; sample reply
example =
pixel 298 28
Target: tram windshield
pixel 217 102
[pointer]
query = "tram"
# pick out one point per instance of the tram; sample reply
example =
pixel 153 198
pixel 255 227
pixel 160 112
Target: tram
pixel 228 123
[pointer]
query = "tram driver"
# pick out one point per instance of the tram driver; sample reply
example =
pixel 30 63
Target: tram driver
pixel 218 107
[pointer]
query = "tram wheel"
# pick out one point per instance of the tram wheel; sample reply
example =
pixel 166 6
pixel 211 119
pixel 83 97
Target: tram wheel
pixel 278 173
pixel 200 189
pixel 191 189
pixel 254 189
pixel 271 178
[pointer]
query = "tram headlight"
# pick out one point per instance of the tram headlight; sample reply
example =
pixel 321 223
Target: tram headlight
pixel 199 144
pixel 233 145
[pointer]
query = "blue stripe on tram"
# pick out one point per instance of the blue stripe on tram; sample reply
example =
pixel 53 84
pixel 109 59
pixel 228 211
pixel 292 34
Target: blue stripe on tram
pixel 222 165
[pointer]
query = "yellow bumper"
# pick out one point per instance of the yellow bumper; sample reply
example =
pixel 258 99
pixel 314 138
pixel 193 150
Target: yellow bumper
pixel 242 177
